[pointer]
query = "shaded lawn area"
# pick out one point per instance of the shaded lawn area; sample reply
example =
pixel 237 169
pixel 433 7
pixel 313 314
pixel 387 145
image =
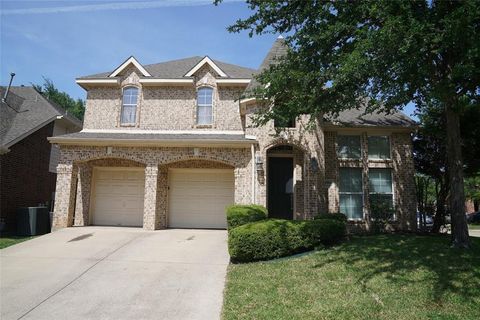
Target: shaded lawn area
pixel 474 226
pixel 7 241
pixel 371 277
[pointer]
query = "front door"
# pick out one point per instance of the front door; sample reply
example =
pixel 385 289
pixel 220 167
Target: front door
pixel 280 187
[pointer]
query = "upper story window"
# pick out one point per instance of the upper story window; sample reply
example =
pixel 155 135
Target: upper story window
pixel 129 105
pixel 378 147
pixel 290 123
pixel 349 147
pixel 204 105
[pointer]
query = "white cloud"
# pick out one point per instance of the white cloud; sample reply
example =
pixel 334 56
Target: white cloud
pixel 130 5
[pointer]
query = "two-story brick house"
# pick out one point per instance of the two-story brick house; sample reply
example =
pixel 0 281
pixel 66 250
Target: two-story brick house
pixel 171 144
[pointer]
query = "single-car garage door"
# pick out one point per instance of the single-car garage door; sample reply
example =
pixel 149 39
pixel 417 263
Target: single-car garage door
pixel 198 197
pixel 118 196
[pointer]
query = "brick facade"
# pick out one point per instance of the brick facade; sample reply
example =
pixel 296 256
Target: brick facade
pixel 174 108
pixel 24 176
pixel 403 170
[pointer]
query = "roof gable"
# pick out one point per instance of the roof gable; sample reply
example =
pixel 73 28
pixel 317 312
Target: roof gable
pixel 26 112
pixel 127 62
pixel 206 60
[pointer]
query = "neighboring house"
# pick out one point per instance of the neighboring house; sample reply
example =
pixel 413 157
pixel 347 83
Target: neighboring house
pixel 28 161
pixel 171 144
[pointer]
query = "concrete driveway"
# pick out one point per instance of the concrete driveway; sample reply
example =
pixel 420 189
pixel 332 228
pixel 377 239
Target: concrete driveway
pixel 115 273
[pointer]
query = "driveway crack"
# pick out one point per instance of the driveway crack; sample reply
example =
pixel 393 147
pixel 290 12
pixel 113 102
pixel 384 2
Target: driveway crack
pixel 77 277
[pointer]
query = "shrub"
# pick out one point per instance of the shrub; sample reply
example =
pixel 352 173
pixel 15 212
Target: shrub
pixel 238 215
pixel 274 238
pixel 335 216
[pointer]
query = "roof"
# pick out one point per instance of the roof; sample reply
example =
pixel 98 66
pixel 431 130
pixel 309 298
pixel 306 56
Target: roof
pixel 352 117
pixel 358 118
pixel 176 139
pixel 176 69
pixel 34 112
pixel 278 50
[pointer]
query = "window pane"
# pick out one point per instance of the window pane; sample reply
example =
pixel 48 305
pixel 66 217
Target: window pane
pixel 350 180
pixel 349 147
pixel 381 205
pixel 128 114
pixel 378 147
pixel 129 105
pixel 380 180
pixel 352 205
pixel 204 105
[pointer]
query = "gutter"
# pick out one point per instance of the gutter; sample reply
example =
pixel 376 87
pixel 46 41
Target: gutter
pixel 152 142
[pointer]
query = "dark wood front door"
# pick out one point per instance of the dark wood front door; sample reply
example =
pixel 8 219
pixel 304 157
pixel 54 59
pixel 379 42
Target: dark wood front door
pixel 280 187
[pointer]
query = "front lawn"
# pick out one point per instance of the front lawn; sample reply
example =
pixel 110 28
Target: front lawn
pixel 374 277
pixel 474 226
pixel 7 241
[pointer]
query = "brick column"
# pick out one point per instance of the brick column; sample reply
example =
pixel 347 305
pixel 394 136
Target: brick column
pixel 82 205
pixel 64 196
pixel 150 201
pixel 404 181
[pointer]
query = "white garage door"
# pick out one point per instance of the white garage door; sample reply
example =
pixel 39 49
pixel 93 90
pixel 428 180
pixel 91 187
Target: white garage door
pixel 118 196
pixel 198 197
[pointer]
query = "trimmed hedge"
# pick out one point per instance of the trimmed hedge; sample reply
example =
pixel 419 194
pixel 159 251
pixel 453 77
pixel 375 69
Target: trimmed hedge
pixel 335 216
pixel 238 215
pixel 274 238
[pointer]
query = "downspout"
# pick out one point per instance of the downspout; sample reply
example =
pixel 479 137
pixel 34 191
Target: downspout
pixel 252 148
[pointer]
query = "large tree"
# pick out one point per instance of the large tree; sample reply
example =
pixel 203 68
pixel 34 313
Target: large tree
pixel 380 52
pixel 48 89
pixel 430 155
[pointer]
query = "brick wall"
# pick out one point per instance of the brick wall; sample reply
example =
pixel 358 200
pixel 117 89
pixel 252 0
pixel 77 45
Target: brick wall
pixel 164 108
pixel 24 174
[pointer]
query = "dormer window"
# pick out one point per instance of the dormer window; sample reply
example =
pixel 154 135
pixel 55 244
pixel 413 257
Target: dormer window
pixel 129 105
pixel 204 106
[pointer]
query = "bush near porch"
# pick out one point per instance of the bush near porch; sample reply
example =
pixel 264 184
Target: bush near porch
pixel 238 215
pixel 253 237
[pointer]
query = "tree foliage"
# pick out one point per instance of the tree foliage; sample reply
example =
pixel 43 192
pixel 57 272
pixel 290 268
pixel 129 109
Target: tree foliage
pixel 63 99
pixel 379 52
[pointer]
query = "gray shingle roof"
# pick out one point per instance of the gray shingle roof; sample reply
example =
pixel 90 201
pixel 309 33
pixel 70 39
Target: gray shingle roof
pixel 278 50
pixel 356 118
pixel 176 69
pixel 34 111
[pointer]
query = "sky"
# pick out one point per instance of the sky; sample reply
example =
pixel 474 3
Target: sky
pixel 64 40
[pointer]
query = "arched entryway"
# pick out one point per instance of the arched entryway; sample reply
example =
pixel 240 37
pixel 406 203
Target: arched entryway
pixel 284 183
pixel 110 192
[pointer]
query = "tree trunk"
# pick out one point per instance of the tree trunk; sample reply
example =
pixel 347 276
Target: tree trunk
pixel 460 238
pixel 441 196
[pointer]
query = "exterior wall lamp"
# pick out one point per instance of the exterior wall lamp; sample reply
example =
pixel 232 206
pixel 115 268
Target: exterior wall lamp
pixel 258 162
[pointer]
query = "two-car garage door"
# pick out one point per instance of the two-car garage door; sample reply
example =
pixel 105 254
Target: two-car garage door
pixel 196 199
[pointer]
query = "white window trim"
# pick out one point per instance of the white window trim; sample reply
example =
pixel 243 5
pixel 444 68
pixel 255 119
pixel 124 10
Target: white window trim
pixel 133 61
pixel 389 147
pixel 206 59
pixel 337 146
pixel 362 193
pixel 204 105
pixel 129 124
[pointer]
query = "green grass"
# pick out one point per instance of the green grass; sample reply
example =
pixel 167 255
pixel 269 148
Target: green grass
pixel 374 277
pixel 474 226
pixel 7 241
